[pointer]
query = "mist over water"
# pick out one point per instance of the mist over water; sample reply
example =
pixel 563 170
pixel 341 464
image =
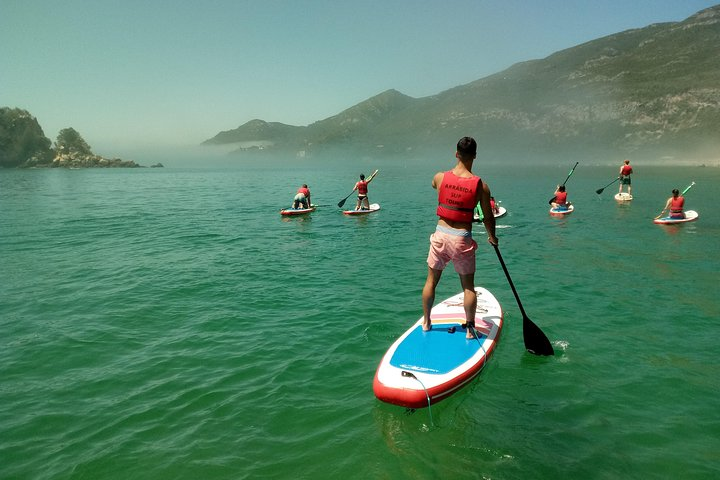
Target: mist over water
pixel 168 323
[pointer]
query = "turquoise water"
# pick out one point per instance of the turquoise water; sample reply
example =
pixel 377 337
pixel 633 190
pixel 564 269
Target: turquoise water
pixel 169 324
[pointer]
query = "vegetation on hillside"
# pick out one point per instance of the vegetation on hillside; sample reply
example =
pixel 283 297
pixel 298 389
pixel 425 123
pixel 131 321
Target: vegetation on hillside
pixel 654 90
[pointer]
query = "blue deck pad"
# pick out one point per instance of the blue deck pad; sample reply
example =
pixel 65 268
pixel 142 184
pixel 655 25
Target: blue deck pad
pixel 436 351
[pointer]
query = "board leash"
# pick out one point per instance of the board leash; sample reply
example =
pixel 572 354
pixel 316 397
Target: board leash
pixel 405 373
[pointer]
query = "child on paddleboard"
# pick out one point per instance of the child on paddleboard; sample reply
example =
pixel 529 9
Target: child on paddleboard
pixel 560 200
pixel 459 190
pixel 675 204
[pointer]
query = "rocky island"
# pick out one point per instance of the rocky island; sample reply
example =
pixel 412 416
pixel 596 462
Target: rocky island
pixel 23 144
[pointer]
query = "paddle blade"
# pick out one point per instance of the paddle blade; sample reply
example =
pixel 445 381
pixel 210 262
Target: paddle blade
pixel 341 203
pixel 535 340
pixel 599 190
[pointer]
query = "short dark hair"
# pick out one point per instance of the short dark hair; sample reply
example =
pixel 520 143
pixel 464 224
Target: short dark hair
pixel 676 191
pixel 467 146
pixel 362 176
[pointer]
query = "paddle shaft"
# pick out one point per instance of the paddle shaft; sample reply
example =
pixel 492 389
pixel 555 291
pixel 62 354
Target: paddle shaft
pixel 342 202
pixel 600 190
pixel 536 341
pixel 688 188
pixel 568 178
pixel 569 174
pixel 512 285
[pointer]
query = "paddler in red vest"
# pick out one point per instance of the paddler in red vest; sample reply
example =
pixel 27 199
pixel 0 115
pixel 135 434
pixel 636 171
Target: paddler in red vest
pixel 494 206
pixel 302 197
pixel 560 200
pixel 675 204
pixel 625 172
pixel 362 188
pixel 459 191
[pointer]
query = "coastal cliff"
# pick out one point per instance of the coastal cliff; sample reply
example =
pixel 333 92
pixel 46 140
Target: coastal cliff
pixel 23 144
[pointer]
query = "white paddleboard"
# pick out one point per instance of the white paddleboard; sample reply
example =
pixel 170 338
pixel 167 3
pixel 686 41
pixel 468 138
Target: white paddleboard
pixel 501 211
pixel 422 368
pixel 690 216
pixel 623 197
pixel 374 207
pixel 561 212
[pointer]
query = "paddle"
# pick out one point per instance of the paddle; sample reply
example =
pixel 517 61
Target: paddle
pixel 342 202
pixel 600 190
pixel 681 194
pixel 535 340
pixel 568 178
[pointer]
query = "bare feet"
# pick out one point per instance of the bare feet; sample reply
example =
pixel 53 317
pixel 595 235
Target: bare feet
pixel 470 330
pixel 427 326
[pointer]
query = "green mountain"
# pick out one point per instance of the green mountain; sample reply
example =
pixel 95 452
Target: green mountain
pixel 652 91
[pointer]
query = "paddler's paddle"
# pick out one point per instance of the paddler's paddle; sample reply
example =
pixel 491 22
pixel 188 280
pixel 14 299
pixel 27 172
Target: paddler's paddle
pixel 563 183
pixel 600 190
pixel 342 202
pixel 681 194
pixel 535 340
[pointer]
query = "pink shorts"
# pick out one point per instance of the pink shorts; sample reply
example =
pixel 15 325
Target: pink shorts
pixel 448 244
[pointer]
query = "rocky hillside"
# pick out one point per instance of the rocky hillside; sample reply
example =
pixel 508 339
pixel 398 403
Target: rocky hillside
pixel 22 140
pixel 23 144
pixel 651 91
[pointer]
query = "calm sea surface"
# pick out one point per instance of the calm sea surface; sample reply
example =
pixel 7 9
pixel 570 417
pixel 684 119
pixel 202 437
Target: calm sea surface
pixel 169 324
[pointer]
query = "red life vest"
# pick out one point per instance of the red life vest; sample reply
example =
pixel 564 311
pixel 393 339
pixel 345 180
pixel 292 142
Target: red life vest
pixel 561 198
pixel 457 197
pixel 676 204
pixel 362 187
pixel 626 170
pixel 304 191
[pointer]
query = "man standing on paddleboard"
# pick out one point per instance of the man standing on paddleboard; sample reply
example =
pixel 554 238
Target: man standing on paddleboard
pixel 459 191
pixel 625 172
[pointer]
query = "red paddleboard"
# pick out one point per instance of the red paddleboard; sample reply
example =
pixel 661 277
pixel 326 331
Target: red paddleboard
pixel 297 211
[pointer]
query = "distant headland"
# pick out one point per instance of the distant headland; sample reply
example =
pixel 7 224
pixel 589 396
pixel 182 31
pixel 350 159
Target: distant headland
pixel 24 145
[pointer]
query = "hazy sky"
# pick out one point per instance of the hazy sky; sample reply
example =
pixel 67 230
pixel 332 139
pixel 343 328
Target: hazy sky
pixel 151 73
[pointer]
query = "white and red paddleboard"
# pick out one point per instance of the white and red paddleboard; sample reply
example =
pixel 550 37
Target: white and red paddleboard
pixel 297 211
pixel 561 211
pixel 374 207
pixel 421 368
pixel 690 216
